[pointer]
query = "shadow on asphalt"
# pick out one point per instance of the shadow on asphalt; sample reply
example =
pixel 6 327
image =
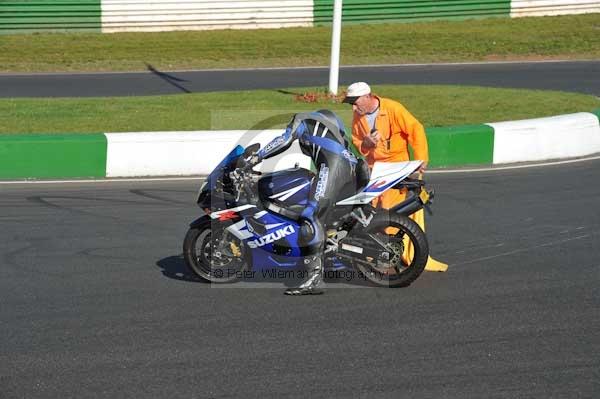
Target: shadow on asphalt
pixel 170 79
pixel 174 267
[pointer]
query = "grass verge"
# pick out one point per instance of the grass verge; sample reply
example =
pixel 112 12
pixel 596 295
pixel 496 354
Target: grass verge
pixel 564 37
pixel 432 105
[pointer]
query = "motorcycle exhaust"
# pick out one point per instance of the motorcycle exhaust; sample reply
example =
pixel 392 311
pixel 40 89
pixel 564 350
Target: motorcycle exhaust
pixel 408 206
pixel 414 203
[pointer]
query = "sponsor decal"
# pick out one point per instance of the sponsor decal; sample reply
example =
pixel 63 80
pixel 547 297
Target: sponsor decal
pixel 240 230
pixel 227 215
pixel 349 156
pixel 230 213
pixel 322 183
pixel 272 237
pixel 284 195
pixel 276 142
pixel 377 185
pixel 352 248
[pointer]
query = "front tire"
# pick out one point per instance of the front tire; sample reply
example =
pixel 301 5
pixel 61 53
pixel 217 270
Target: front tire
pixel 208 260
pixel 406 255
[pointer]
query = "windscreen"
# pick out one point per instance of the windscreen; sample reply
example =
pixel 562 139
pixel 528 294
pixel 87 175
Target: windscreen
pixel 225 166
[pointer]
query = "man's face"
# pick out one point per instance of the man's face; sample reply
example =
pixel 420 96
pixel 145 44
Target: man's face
pixel 361 105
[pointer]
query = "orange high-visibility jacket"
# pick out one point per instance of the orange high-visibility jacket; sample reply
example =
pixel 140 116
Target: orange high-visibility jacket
pixel 396 125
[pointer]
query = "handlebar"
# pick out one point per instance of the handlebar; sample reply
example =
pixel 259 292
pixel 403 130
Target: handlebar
pixel 242 178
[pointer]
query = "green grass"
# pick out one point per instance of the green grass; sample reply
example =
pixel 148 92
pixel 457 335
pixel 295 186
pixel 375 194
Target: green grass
pixel 433 105
pixel 564 37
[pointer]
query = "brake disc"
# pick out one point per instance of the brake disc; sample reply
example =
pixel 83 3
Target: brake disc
pixel 392 258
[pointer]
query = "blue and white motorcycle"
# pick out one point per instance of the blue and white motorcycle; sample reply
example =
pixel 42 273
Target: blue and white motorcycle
pixel 252 222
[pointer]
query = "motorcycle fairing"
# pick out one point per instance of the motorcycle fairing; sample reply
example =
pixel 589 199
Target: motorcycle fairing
pixel 384 176
pixel 275 245
pixel 228 214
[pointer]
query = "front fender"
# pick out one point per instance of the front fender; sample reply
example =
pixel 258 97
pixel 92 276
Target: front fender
pixel 200 222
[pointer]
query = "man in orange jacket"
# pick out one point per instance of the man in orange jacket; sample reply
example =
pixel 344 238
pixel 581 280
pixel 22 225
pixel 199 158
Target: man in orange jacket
pixel 382 129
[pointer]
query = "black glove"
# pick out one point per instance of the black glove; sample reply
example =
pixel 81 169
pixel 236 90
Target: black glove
pixel 254 160
pixel 249 162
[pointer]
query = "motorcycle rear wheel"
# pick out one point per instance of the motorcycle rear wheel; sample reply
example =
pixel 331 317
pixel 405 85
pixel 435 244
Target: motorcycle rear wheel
pixel 202 258
pixel 401 268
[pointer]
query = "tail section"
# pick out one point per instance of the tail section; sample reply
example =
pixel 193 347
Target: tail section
pixel 384 176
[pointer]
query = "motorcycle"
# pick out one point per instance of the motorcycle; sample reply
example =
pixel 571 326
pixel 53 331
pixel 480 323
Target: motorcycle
pixel 252 222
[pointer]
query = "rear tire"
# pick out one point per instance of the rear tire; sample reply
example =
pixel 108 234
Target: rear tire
pixel 400 269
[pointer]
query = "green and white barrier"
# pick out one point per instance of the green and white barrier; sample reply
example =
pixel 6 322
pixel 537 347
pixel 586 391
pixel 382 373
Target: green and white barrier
pixel 52 156
pixel 197 153
pixel 562 136
pixel 169 15
pixel 185 153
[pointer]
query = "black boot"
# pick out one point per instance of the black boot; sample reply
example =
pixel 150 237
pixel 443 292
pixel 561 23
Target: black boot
pixel 310 286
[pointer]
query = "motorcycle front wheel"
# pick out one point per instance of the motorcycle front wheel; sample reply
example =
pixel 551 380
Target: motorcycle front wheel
pixel 403 251
pixel 217 258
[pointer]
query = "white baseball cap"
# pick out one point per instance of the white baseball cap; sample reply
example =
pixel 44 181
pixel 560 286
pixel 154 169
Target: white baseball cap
pixel 356 90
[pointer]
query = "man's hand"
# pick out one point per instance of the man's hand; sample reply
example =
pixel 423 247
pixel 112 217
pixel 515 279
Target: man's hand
pixel 371 140
pixel 423 168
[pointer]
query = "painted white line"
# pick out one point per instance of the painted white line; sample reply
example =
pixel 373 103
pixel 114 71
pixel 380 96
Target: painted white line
pixel 92 181
pixel 430 171
pixel 522 62
pixel 500 168
pixel 518 62
pixel 521 250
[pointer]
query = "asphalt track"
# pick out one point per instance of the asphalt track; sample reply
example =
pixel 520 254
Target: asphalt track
pixel 578 76
pixel 95 300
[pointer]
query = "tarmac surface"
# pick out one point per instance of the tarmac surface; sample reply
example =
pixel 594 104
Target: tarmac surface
pixel 95 300
pixel 572 76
